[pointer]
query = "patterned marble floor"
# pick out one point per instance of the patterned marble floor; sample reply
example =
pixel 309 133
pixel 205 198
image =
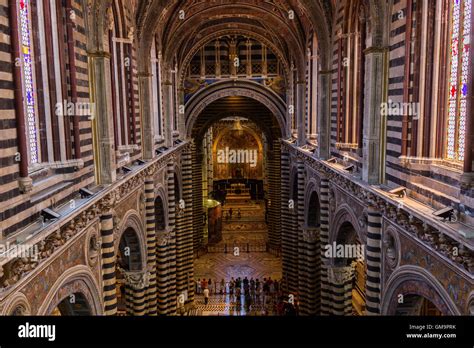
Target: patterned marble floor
pixel 249 228
pixel 225 266
pixel 228 305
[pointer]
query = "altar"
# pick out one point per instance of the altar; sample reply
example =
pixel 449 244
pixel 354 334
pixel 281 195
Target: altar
pixel 238 193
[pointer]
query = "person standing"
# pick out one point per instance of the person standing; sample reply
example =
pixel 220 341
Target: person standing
pixel 198 286
pixel 209 285
pixel 222 287
pixel 231 286
pixel 206 296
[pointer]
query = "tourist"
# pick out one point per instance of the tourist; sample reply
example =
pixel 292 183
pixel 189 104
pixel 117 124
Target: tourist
pixel 198 286
pixel 231 286
pixel 271 287
pixel 209 284
pixel 246 281
pixel 258 289
pixel 222 287
pixel 265 291
pixel 237 294
pixel 252 288
pixel 206 296
pixel 265 286
pixel 238 283
pixel 239 215
pixel 248 301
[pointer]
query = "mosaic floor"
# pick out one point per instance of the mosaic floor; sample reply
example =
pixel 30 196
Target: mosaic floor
pixel 227 305
pixel 249 228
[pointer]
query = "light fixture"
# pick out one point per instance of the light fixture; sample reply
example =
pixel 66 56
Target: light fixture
pixel 349 168
pixel 49 214
pixel 445 213
pixel 85 193
pixel 399 191
pixel 237 126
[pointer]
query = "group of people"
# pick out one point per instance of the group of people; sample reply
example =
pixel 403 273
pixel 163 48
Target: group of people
pixel 230 212
pixel 253 291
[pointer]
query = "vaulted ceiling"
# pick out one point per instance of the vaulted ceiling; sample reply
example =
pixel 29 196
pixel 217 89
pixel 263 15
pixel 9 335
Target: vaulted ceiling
pixel 181 25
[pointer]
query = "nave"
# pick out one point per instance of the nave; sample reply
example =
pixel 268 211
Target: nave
pixel 327 144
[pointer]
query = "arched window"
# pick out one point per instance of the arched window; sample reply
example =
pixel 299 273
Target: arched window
pixel 351 77
pixel 312 88
pixel 157 92
pixel 46 46
pixel 457 80
pixel 28 86
pixel 122 82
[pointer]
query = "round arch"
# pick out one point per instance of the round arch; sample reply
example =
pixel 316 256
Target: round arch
pixel 17 304
pixel 160 217
pixel 414 280
pixel 312 207
pixel 132 221
pixel 344 215
pixel 231 88
pixel 255 34
pixel 246 129
pixel 150 16
pixel 78 279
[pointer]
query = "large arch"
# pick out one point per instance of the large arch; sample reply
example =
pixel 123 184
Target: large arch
pixel 17 305
pixel 132 222
pixel 313 209
pixel 345 214
pixel 161 211
pixel 232 88
pixel 414 280
pixel 151 22
pixel 78 279
pixel 257 34
pixel 75 305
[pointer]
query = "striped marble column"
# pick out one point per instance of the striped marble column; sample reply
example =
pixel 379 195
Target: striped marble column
pixel 136 285
pixel 293 233
pixel 340 289
pixel 108 263
pixel 324 238
pixel 197 198
pixel 286 221
pixel 274 194
pixel 166 254
pixel 151 291
pixel 171 296
pixel 302 265
pixel 310 272
pixel 373 260
pixel 184 232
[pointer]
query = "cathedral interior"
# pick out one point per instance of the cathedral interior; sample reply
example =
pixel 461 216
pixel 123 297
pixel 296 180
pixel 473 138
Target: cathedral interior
pixel 236 158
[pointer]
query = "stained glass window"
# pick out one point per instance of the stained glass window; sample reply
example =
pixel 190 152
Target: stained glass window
pixel 27 74
pixel 460 45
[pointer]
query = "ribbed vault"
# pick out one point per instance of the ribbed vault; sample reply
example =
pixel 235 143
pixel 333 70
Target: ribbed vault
pixel 182 25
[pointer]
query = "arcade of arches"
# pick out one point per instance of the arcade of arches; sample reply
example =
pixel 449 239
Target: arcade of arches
pixel 149 146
